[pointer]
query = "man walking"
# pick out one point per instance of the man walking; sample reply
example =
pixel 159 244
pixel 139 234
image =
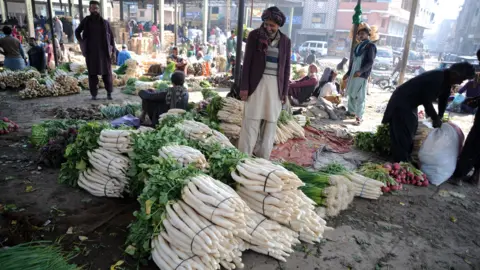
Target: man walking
pixel 59 29
pixel 98 46
pixel 231 47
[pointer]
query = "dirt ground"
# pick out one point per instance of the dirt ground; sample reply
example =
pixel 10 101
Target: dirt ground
pixel 418 228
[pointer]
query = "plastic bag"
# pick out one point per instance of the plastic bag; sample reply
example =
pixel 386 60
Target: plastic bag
pixel 127 120
pixel 439 152
pixel 455 105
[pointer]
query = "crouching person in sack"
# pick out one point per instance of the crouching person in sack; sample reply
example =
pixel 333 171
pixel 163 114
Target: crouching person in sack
pixel 264 84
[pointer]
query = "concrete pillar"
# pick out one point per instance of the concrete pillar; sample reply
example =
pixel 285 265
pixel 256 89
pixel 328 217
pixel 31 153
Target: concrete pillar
pixel 184 13
pixel 290 23
pixel 161 18
pixel 80 9
pixel 3 10
pixel 205 20
pixel 227 17
pixel 34 8
pixel 103 9
pixel 30 26
pixel 70 7
pixel 155 11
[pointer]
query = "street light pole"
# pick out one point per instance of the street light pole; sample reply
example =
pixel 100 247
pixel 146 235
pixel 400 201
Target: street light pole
pixel 406 48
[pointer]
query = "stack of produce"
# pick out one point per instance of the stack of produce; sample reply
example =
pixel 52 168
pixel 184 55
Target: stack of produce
pixel 268 237
pixel 16 79
pixel 80 113
pixel 68 84
pixel 378 142
pixel 301 119
pixel 329 189
pixel 406 173
pixel 52 153
pixel 200 132
pixel 83 81
pixel 40 88
pixel 221 80
pixel 78 68
pixel 184 155
pixel 116 141
pixel 272 191
pixel 108 176
pixel 114 111
pixel 380 173
pixel 230 116
pixel 43 132
pixel 365 187
pixel 7 126
pixel 288 128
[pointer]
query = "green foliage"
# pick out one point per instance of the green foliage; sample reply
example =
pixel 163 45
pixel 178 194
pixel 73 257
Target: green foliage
pixel 76 153
pixel 208 93
pixel 205 84
pixel 113 111
pixel 378 142
pixel 213 107
pixel 35 256
pixel 43 132
pixel 121 70
pixel 223 162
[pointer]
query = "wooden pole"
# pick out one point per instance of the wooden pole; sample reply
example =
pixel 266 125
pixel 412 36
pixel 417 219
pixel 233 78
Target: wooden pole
pixel 34 8
pixel 176 23
pixel 121 10
pixel 70 12
pixel 406 48
pixel 161 19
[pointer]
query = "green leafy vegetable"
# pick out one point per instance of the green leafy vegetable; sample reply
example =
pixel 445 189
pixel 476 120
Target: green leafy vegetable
pixel 121 70
pixel 209 93
pixel 43 132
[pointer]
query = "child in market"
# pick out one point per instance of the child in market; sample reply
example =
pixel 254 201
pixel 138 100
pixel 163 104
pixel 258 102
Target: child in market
pixel 155 103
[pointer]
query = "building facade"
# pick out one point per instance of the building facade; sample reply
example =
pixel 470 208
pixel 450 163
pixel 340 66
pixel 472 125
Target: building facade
pixel 318 21
pixel 467 34
pixel 391 19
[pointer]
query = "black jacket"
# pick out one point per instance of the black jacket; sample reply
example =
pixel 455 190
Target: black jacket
pixel 36 55
pixel 367 61
pixel 421 90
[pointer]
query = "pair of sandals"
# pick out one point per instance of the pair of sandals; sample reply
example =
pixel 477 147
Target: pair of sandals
pixel 358 120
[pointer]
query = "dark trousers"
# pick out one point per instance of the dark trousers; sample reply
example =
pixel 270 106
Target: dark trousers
pixel 403 127
pixel 93 84
pixel 470 155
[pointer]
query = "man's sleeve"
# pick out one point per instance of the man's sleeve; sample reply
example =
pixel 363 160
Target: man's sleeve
pixel 247 60
pixel 370 55
pixel 79 30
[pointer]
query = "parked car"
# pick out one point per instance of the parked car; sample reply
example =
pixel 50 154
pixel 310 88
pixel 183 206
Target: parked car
pixel 384 59
pixel 320 48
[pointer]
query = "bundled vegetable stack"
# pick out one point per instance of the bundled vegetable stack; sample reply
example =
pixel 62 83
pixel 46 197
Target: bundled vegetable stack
pixel 202 133
pixel 7 126
pixel 16 79
pixel 288 128
pixel 68 84
pixel 273 191
pixel 108 176
pixel 78 68
pixel 38 88
pixel 378 142
pixel 83 81
pixel 116 141
pixel 230 116
pixel 52 154
pixel 406 173
pixel 420 137
pixel 365 187
pixel 301 119
pixel 329 189
pixel 114 111
pixel 184 155
pixel 380 173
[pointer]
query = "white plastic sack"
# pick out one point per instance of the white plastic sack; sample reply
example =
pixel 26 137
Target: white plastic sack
pixel 439 152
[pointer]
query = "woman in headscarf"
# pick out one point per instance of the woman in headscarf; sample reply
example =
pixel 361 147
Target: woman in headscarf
pixel 302 89
pixel 402 108
pixel 264 84
pixel 358 73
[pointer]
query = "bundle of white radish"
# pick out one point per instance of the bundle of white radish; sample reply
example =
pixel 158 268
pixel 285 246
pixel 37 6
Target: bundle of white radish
pixel 191 241
pixel 171 112
pixel 78 68
pixel 98 184
pixel 231 111
pixel 365 187
pixel 184 155
pixel 288 128
pixel 339 195
pixel 202 133
pixel 109 163
pixel 117 141
pixel 301 119
pixel 268 237
pixel 230 130
pixel 272 190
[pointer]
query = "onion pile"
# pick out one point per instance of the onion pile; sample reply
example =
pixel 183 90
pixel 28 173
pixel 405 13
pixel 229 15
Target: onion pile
pixel 16 79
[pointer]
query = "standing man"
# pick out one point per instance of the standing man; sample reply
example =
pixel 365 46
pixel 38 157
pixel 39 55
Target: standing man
pixel 36 55
pixel 59 29
pixel 231 47
pixel 358 73
pixel 98 46
pixel 75 23
pixel 264 84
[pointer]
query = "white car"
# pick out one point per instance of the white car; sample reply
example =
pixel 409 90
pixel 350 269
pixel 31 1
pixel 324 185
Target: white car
pixel 319 47
pixel 384 59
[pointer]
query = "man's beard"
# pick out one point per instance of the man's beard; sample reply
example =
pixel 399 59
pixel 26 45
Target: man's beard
pixel 95 14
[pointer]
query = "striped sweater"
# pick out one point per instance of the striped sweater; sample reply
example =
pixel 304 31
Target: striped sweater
pixel 271 67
